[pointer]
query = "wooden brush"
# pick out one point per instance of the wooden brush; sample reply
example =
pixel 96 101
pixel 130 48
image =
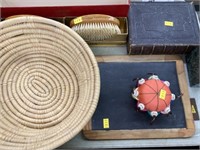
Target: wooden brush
pixel 95 27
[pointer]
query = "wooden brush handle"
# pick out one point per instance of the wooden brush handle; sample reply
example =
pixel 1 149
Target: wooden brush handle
pixel 94 18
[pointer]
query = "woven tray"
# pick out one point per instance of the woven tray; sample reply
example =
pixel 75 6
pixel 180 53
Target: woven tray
pixel 49 83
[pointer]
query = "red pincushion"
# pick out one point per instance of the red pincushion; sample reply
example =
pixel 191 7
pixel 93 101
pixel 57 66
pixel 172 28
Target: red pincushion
pixel 155 95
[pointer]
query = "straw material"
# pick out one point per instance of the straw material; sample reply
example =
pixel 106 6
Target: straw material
pixel 49 83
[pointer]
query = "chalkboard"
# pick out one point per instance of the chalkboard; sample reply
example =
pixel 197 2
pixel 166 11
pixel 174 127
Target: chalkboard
pixel 117 104
pixel 116 116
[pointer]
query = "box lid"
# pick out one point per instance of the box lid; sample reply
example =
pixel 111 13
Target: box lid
pixel 163 24
pixel 63 8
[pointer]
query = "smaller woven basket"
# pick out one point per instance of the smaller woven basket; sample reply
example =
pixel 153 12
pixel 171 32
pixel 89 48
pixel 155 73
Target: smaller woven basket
pixel 49 83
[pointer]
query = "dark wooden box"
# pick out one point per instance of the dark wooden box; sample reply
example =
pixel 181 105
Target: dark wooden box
pixel 162 28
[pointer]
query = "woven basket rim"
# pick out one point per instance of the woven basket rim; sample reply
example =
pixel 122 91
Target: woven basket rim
pixel 38 39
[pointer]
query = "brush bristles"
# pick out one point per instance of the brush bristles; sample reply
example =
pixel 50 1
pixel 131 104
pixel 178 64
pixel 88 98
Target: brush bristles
pixel 96 31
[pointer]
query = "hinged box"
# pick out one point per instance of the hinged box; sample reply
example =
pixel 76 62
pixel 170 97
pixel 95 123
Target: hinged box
pixel 162 28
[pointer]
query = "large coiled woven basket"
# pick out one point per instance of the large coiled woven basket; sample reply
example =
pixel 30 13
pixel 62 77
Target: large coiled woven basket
pixel 49 83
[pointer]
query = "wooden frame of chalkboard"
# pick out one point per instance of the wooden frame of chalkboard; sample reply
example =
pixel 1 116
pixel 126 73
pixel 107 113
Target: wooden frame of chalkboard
pixel 89 133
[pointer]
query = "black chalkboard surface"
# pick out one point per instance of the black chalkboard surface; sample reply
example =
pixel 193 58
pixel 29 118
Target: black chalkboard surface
pixel 119 107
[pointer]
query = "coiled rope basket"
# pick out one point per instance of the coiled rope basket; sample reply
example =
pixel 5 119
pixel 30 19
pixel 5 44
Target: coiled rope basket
pixel 49 83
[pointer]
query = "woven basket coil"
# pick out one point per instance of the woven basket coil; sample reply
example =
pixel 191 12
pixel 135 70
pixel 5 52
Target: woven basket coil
pixel 49 83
